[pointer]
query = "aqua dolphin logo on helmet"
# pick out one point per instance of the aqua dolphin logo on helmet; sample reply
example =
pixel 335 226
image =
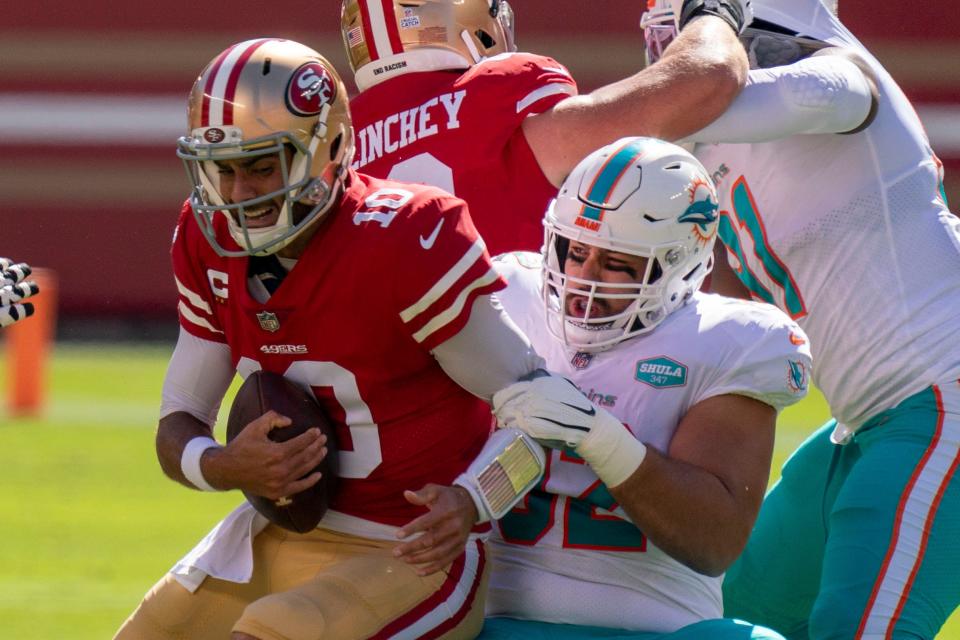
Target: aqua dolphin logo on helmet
pixel 702 214
pixel 702 211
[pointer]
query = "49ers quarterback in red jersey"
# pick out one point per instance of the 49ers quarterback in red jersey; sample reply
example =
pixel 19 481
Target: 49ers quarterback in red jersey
pixel 445 99
pixel 389 275
pixel 377 296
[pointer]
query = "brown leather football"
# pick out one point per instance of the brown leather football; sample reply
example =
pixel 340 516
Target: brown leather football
pixel 261 392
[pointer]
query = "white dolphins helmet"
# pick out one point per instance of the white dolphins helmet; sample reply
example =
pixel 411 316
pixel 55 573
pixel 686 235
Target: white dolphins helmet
pixel 638 196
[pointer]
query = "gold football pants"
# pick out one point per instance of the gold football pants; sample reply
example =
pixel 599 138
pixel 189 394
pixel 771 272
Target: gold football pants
pixel 320 585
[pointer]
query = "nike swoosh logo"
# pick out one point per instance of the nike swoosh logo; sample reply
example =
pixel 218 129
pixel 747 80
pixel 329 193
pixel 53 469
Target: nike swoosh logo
pixel 592 412
pixel 427 242
pixel 564 424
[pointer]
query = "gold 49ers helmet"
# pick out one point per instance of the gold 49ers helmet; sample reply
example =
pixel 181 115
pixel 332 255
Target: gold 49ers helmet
pixel 266 99
pixel 384 38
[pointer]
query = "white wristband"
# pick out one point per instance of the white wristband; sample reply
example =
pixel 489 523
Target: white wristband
pixel 190 461
pixel 611 450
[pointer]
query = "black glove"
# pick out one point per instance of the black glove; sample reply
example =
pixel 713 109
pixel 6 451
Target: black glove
pixel 737 13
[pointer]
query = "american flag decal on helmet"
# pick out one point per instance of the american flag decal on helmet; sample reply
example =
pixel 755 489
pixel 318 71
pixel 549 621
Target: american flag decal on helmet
pixel 355 36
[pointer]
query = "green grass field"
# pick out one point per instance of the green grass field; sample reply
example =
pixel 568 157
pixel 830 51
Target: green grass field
pixel 88 521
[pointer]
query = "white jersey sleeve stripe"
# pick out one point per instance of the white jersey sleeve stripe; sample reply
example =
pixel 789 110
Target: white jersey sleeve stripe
pixel 551 89
pixel 192 297
pixel 444 283
pixel 453 311
pixel 190 316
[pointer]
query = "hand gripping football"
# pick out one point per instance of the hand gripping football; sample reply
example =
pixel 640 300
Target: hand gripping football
pixel 261 392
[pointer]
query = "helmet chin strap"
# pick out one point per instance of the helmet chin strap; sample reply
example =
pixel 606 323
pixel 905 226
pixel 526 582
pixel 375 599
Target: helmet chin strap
pixel 581 339
pixel 471 46
pixel 300 163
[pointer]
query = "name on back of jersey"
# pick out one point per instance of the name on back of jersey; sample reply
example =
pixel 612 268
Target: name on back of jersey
pixel 397 130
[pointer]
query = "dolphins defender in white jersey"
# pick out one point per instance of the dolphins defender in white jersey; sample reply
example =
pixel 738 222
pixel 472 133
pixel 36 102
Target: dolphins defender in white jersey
pixel 851 236
pixel 650 491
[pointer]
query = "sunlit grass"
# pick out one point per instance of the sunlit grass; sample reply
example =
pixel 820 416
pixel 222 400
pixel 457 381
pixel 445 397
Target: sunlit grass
pixel 88 521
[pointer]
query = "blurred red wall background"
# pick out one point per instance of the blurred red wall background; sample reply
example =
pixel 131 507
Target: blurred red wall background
pixel 92 98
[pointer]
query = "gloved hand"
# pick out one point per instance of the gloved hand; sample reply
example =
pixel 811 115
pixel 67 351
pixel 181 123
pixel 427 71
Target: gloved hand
pixel 14 289
pixel 553 411
pixel 737 13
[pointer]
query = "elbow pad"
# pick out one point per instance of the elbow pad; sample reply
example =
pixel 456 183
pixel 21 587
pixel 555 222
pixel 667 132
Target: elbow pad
pixel 820 94
pixel 509 465
pixel 832 92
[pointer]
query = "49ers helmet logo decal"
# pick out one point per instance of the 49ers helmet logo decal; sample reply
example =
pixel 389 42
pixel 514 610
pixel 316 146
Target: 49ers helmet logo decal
pixel 214 135
pixel 310 87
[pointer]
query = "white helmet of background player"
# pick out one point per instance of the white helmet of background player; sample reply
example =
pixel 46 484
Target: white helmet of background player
pixel 780 32
pixel 385 38
pixel 639 196
pixel 258 98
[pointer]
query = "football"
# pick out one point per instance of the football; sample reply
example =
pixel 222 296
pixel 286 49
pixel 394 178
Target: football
pixel 261 392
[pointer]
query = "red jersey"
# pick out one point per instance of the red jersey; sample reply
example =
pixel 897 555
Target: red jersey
pixel 461 131
pixel 390 274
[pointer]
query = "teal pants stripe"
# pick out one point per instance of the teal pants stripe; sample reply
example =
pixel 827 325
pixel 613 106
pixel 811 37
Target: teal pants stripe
pixel 861 540
pixel 720 629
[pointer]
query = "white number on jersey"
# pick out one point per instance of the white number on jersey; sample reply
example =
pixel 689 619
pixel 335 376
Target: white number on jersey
pixel 364 432
pixel 424 168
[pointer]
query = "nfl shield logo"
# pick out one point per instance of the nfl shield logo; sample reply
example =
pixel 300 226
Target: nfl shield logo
pixel 581 360
pixel 268 321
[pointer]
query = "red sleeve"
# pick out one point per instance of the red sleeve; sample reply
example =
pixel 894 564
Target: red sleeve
pixel 511 88
pixel 548 83
pixel 195 285
pixel 501 93
pixel 443 267
pixel 524 83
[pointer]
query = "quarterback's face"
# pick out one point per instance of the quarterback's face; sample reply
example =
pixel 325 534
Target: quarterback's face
pixel 600 265
pixel 248 178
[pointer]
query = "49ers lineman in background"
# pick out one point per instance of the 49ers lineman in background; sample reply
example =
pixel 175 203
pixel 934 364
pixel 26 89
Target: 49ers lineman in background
pixel 445 100
pixel 375 295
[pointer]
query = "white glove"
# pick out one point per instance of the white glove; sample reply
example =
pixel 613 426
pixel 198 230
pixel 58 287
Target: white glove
pixel 554 412
pixel 13 290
